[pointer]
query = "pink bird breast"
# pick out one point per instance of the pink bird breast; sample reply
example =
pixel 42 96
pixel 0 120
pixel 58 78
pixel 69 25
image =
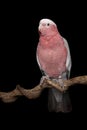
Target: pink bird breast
pixel 52 56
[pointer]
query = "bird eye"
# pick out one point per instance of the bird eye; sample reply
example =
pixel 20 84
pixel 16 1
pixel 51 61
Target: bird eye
pixel 48 24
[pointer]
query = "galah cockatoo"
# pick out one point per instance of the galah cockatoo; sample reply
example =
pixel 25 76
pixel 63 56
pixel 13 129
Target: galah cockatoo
pixel 53 57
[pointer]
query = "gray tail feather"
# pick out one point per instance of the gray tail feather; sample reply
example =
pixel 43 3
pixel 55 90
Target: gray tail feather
pixel 59 101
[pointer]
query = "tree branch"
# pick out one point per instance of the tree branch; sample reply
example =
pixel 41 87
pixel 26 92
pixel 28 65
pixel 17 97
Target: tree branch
pixel 36 91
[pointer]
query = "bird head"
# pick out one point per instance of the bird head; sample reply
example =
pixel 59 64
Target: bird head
pixel 47 27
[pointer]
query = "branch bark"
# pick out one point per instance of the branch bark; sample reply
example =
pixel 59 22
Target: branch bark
pixel 36 91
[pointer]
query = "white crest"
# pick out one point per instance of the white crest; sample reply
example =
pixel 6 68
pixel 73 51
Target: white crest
pixel 47 21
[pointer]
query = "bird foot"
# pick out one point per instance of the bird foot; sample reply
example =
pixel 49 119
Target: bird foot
pixel 61 83
pixel 43 78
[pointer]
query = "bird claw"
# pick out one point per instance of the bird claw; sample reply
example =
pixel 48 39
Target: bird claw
pixel 43 78
pixel 61 83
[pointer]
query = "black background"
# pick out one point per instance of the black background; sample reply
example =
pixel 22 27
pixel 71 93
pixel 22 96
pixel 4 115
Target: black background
pixel 18 43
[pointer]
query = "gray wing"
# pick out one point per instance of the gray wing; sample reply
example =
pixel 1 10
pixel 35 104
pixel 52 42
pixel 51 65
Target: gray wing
pixel 68 61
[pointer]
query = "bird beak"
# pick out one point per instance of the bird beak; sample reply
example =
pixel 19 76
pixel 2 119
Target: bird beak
pixel 39 28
